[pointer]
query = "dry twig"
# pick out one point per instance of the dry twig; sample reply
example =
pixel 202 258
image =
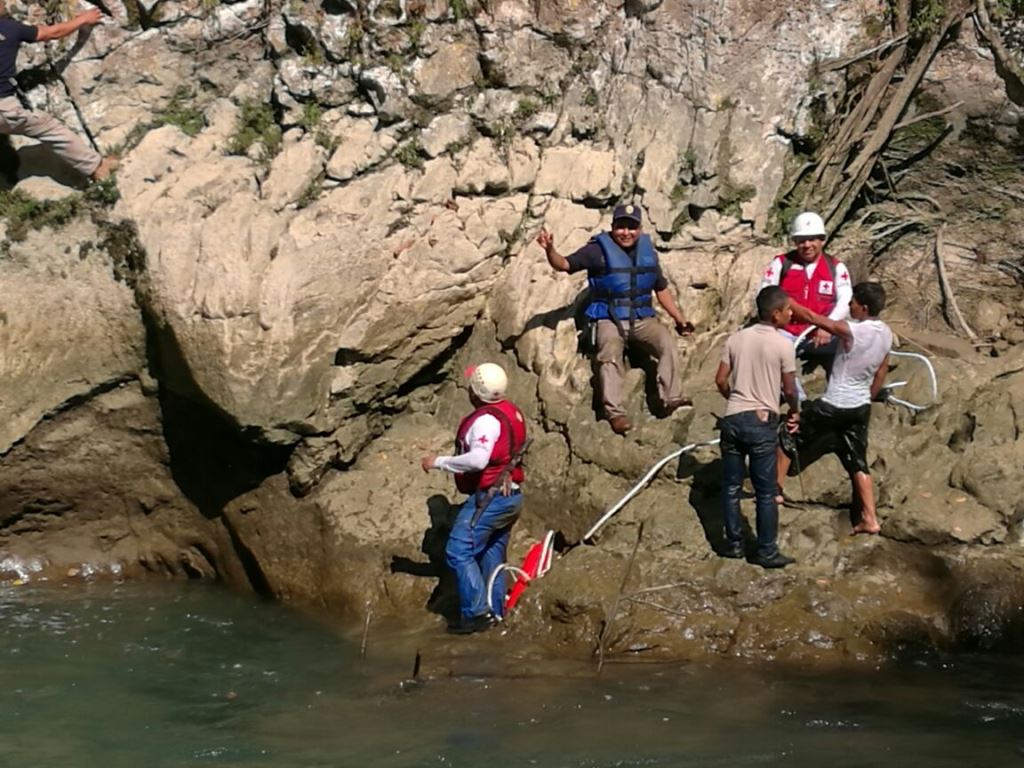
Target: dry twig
pixel 607 628
pixel 947 290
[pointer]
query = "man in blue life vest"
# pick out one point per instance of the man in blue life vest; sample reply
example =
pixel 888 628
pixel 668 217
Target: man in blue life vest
pixel 623 271
pixel 489 445
pixel 16 119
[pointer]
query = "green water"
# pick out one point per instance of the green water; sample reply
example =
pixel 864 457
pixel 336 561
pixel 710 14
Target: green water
pixel 192 675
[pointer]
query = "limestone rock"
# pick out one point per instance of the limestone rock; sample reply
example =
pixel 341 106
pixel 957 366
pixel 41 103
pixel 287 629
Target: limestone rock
pixel 292 172
pixel 523 162
pixel 44 188
pixel 483 170
pixel 579 173
pixel 67 327
pixel 451 67
pixel 438 180
pixel 445 131
pixel 526 59
pixel 361 146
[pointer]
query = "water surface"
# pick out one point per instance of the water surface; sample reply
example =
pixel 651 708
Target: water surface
pixel 175 675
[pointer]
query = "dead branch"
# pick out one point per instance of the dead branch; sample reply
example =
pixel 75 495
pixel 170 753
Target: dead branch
pixel 1018 196
pixel 856 173
pixel 888 232
pixel 656 606
pixel 947 290
pixel 606 630
pixel 843 62
pixel 659 588
pixel 1006 66
pixel 926 116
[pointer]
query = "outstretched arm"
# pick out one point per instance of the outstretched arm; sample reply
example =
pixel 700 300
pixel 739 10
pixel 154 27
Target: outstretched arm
pixel 557 261
pixel 839 328
pixel 57 31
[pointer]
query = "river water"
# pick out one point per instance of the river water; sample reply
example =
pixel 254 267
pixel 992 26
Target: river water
pixel 176 675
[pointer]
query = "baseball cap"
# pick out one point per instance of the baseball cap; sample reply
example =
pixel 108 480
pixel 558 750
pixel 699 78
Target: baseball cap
pixel 630 212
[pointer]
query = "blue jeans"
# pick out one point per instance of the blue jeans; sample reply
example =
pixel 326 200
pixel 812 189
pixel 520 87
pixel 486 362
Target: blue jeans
pixel 476 548
pixel 744 435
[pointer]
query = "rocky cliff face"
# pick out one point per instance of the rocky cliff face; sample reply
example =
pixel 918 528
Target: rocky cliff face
pixel 326 209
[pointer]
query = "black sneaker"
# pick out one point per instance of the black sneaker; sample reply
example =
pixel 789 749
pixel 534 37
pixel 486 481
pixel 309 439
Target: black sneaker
pixel 734 551
pixel 473 624
pixel 778 560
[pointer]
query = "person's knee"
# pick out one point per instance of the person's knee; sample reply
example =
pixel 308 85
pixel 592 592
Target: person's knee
pixel 610 353
pixel 731 488
pixel 458 551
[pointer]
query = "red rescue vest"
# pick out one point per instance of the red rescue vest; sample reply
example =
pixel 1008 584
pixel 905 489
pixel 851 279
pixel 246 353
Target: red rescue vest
pixel 816 291
pixel 510 441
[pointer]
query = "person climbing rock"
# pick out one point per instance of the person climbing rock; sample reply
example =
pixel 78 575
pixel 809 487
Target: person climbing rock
pixel 623 271
pixel 838 422
pixel 815 280
pixel 756 364
pixel 489 444
pixel 16 119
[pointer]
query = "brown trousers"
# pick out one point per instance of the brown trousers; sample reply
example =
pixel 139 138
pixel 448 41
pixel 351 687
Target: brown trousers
pixel 651 336
pixel 18 121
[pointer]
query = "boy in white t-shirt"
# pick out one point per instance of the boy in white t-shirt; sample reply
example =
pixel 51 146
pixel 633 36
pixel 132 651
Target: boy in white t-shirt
pixel 838 422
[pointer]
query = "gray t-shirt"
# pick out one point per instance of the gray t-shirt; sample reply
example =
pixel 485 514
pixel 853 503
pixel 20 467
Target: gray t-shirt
pixel 854 367
pixel 757 357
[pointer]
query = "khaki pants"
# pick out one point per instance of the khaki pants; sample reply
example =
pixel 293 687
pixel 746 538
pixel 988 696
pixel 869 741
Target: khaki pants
pixel 650 335
pixel 18 121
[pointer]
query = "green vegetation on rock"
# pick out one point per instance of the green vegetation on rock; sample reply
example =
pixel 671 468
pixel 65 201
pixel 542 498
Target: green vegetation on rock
pixel 183 112
pixel 24 213
pixel 256 124
pixel 409 154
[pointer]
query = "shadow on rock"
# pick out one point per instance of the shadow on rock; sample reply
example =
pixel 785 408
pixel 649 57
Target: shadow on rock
pixel 211 460
pixel 706 499
pixel 444 600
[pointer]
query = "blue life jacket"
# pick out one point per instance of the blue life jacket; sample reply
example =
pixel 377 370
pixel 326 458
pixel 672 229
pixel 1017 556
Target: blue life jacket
pixel 625 287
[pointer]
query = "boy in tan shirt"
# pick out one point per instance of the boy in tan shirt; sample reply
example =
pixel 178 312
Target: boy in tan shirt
pixel 757 363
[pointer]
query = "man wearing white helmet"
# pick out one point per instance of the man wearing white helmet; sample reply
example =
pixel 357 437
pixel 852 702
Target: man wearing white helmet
pixel 489 444
pixel 815 280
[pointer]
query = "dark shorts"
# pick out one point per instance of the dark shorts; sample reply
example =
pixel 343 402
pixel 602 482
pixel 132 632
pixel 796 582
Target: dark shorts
pixel 827 429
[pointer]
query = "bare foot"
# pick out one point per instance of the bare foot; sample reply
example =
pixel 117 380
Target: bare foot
pixel 868 528
pixel 105 168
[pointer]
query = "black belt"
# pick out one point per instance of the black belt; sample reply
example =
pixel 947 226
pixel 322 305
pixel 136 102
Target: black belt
pixel 513 492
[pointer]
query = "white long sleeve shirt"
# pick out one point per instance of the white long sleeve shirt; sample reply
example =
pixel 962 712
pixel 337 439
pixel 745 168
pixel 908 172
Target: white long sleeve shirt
pixel 843 284
pixel 481 437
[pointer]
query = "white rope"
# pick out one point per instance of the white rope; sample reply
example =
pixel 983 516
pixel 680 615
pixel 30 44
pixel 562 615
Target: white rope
pixel 494 577
pixel 913 407
pixel 639 486
pixel 932 378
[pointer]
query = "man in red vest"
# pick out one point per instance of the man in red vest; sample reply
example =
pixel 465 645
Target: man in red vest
pixel 815 280
pixel 489 445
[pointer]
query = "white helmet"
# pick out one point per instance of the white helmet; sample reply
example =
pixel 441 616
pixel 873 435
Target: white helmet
pixel 488 382
pixel 807 224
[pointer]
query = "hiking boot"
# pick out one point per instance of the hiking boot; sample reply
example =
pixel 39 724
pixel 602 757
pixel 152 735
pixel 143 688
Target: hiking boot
pixel 472 624
pixel 778 560
pixel 734 551
pixel 673 405
pixel 620 425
